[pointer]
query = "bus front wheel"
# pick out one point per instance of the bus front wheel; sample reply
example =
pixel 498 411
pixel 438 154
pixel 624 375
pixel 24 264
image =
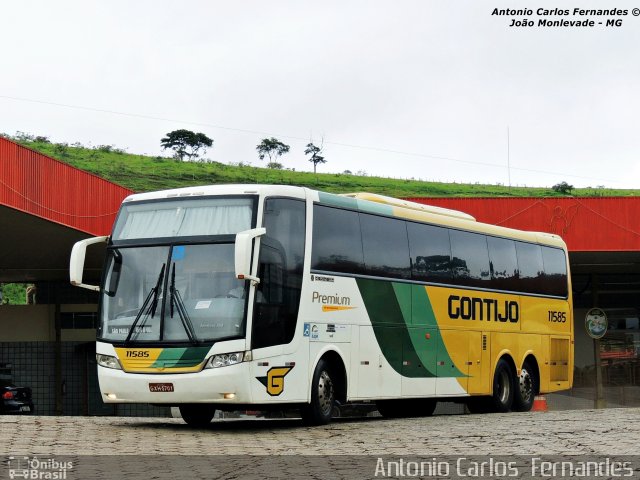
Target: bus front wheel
pixel 319 410
pixel 197 415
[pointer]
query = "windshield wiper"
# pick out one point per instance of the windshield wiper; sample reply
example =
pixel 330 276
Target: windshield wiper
pixel 174 297
pixel 151 297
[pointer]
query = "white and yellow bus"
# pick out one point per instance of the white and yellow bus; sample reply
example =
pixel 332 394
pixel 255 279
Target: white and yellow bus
pixel 258 297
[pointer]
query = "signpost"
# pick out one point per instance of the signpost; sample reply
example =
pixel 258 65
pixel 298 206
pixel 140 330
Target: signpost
pixel 595 322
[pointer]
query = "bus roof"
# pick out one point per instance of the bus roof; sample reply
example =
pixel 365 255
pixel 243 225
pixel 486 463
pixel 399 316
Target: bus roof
pixel 366 202
pixel 229 189
pixel 374 197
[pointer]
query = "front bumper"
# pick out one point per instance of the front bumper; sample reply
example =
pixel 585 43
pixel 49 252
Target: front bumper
pixel 20 407
pixel 206 386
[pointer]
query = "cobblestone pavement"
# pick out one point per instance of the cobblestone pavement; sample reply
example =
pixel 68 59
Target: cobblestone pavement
pixel 605 432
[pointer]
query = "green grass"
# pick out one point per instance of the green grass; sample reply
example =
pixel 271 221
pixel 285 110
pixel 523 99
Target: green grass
pixel 14 293
pixel 142 173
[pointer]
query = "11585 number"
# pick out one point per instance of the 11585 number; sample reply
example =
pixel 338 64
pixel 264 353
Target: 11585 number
pixel 557 317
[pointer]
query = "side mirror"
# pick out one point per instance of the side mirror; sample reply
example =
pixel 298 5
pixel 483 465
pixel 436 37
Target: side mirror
pixel 114 277
pixel 244 241
pixel 76 265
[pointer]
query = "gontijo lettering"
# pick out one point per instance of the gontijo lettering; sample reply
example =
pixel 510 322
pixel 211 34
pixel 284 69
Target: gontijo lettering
pixel 489 309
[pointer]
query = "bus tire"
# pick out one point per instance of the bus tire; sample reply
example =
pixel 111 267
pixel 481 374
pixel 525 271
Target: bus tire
pixel 412 407
pixel 319 410
pixel 197 415
pixel 527 387
pixel 503 388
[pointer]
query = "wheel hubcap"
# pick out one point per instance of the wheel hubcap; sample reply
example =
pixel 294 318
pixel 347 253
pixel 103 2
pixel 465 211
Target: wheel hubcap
pixel 526 385
pixel 325 393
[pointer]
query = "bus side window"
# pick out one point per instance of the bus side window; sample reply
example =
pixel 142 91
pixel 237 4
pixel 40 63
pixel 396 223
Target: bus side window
pixel 555 271
pixel 385 246
pixel 503 263
pixel 280 271
pixel 470 259
pixel 430 253
pixel 337 242
pixel 530 267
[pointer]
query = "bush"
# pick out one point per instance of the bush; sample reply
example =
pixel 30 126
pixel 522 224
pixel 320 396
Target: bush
pixel 24 137
pixel 562 187
pixel 61 149
pixel 275 165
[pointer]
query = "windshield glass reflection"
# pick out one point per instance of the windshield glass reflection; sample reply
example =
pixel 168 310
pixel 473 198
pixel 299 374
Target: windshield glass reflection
pixel 182 293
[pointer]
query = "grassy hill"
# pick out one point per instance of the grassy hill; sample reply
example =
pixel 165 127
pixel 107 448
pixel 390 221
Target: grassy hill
pixel 142 173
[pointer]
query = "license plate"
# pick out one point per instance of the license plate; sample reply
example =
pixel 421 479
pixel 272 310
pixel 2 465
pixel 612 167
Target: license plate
pixel 161 387
pixel 25 409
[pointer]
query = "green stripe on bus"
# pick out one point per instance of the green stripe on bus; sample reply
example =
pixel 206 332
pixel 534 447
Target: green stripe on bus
pixel 355 204
pixel 402 319
pixel 425 322
pixel 181 357
pixel 337 200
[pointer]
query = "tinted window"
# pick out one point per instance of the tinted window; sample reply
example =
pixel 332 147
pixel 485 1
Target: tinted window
pixel 530 267
pixel 503 263
pixel 280 272
pixel 555 271
pixel 430 252
pixel 337 245
pixel 470 259
pixel 385 246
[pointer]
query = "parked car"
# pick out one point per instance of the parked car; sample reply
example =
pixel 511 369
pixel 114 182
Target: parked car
pixel 15 399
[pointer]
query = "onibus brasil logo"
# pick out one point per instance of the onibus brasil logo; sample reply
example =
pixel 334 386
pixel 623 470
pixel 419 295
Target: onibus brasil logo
pixel 38 468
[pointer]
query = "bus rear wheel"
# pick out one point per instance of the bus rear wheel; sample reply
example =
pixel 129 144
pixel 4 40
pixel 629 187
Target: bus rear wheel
pixel 319 410
pixel 412 407
pixel 197 415
pixel 503 392
pixel 527 387
pixel 503 387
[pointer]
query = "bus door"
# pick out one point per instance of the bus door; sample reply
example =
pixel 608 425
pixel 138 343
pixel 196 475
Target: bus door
pixel 280 355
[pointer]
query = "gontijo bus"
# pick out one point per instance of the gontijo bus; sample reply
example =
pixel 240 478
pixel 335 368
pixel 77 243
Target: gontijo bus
pixel 260 296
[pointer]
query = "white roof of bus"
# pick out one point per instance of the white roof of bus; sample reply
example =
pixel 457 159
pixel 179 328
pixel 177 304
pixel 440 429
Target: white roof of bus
pixel 402 209
pixel 235 189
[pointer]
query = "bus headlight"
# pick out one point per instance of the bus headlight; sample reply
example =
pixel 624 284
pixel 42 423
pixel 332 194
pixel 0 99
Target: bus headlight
pixel 225 359
pixel 108 361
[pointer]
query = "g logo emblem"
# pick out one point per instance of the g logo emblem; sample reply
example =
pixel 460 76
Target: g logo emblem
pixel 274 381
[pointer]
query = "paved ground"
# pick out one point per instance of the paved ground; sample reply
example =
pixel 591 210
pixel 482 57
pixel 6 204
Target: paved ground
pixel 605 432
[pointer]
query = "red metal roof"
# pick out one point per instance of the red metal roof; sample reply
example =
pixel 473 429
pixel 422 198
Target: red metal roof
pixel 593 224
pixel 49 189
pixel 39 185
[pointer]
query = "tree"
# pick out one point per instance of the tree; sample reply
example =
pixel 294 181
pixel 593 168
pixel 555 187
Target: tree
pixel 315 152
pixel 562 187
pixel 272 148
pixel 186 143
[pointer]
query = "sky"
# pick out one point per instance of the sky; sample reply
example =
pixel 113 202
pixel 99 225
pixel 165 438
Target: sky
pixel 424 89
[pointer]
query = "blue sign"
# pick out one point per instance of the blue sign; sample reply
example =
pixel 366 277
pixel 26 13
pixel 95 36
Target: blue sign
pixel 178 253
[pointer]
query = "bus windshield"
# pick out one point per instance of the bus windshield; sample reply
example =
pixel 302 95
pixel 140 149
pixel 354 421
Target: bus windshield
pixel 179 293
